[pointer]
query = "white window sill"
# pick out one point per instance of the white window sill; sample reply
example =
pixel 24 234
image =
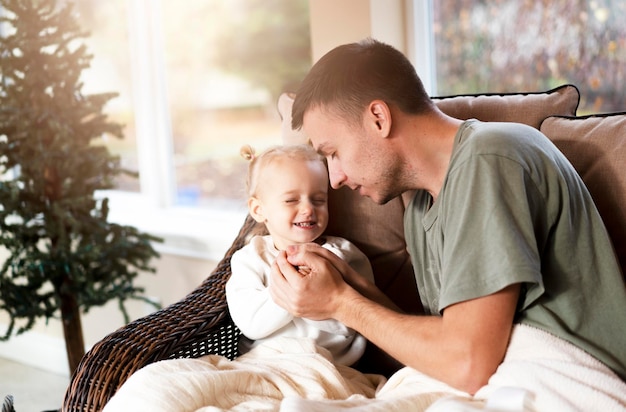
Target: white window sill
pixel 204 233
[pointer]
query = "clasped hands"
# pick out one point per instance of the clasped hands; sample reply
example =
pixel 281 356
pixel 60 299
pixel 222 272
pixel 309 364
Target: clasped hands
pixel 310 281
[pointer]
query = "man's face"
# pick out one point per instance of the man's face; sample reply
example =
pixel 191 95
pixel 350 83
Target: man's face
pixel 356 157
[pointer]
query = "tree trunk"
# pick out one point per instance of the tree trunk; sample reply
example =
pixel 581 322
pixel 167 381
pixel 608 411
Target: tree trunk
pixel 72 330
pixel 70 313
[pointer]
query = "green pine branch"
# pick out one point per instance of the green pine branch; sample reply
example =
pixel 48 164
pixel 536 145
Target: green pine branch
pixel 56 233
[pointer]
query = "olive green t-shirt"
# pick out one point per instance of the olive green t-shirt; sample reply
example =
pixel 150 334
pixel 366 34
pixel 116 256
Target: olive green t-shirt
pixel 512 209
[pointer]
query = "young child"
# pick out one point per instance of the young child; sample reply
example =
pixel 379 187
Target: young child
pixel 287 188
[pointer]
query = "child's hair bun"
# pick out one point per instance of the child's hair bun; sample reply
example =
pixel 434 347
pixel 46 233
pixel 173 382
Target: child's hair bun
pixel 247 152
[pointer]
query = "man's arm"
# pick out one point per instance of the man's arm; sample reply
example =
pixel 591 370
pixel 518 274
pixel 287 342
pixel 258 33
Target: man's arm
pixel 462 348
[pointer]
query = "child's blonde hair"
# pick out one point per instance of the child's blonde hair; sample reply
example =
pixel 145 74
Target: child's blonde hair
pixel 302 152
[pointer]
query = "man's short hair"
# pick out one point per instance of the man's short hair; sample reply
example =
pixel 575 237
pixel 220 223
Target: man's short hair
pixel 351 76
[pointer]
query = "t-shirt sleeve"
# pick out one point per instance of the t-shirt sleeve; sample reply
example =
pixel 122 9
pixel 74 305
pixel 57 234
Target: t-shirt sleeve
pixel 489 228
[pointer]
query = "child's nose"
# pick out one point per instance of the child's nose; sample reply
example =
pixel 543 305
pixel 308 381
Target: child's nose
pixel 306 207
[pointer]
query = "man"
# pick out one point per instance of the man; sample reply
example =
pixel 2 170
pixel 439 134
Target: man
pixel 501 230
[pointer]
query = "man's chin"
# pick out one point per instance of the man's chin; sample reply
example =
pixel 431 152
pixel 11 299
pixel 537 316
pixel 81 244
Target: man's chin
pixel 379 200
pixel 385 200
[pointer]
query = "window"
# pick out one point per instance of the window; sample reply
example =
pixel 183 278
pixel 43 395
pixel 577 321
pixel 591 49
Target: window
pixel 195 84
pixel 110 71
pixel 511 45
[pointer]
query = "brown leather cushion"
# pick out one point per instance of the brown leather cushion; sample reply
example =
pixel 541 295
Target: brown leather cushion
pixel 596 147
pixel 527 108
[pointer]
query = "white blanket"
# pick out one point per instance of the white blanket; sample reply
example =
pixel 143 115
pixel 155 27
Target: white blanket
pixel 540 373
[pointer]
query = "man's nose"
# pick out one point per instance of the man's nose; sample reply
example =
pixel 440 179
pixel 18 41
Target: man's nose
pixel 336 176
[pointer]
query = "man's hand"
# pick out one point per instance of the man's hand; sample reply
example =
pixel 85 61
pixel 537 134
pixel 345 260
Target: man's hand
pixel 306 282
pixel 336 278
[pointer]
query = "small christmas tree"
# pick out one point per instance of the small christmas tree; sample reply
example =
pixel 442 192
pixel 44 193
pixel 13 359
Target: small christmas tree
pixel 63 254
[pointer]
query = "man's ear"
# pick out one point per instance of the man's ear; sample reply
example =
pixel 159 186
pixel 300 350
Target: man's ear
pixel 256 209
pixel 379 116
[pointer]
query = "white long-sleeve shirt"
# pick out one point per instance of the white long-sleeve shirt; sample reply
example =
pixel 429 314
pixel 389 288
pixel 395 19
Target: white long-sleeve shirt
pixel 259 318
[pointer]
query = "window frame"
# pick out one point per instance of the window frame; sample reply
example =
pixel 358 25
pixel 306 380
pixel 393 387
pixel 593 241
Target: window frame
pixel 421 42
pixel 186 231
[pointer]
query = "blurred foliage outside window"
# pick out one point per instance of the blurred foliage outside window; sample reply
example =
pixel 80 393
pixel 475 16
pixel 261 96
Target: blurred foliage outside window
pixel 225 63
pixel 533 45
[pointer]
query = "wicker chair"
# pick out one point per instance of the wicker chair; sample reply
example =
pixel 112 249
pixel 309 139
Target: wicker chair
pixel 197 325
pixel 200 324
pixel 7 404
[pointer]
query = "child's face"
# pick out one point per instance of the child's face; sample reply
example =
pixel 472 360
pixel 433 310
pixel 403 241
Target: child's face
pixel 292 201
